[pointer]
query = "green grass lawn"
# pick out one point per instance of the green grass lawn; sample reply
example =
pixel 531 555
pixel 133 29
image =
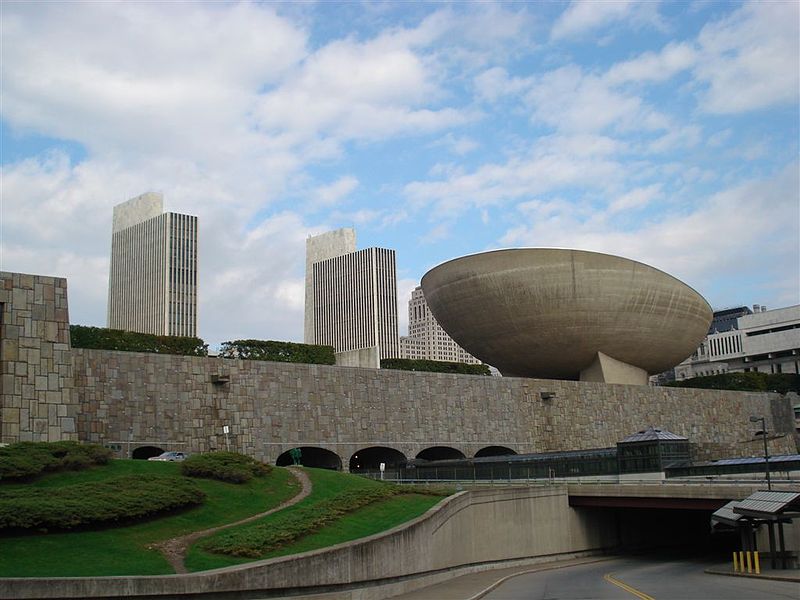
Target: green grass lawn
pixel 123 550
pixel 366 521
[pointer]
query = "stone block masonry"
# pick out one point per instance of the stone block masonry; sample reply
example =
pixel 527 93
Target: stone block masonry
pixel 176 401
pixel 37 400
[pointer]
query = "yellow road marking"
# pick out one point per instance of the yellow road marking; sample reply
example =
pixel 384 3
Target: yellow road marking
pixel 641 595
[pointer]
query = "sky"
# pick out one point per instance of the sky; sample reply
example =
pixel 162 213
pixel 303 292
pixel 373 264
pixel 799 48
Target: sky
pixel 664 132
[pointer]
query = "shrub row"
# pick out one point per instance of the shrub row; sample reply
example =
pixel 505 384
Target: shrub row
pixel 28 459
pixel 434 366
pixel 278 351
pixel 101 338
pixel 257 540
pixel 753 382
pixel 224 466
pixel 115 500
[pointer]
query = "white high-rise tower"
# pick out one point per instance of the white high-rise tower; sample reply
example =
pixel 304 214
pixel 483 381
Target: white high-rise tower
pixel 351 295
pixel 152 284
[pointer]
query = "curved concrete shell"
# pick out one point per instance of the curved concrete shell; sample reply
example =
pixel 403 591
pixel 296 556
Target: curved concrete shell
pixel 567 314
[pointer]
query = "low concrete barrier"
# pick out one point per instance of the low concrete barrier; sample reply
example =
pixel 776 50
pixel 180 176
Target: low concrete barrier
pixel 475 530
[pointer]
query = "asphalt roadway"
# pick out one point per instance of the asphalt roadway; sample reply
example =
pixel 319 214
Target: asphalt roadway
pixel 646 578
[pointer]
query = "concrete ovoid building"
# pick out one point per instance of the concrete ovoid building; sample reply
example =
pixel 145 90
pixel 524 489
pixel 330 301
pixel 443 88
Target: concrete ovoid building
pixel 152 283
pixel 351 299
pixel 567 314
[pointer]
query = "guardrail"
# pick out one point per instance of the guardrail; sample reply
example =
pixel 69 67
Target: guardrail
pixel 580 481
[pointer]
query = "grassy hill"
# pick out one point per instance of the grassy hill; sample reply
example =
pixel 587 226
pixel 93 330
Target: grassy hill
pixel 126 549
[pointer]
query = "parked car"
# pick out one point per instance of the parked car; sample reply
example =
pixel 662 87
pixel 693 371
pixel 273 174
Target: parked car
pixel 169 456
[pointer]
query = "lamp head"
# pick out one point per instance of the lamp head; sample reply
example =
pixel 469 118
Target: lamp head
pixel 755 419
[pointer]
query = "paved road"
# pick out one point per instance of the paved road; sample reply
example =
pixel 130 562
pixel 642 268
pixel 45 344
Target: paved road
pixel 645 578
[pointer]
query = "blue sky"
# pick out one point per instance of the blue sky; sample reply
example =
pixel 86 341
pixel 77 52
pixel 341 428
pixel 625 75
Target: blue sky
pixel 662 132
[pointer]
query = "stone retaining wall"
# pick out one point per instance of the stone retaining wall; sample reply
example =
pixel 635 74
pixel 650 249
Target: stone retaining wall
pixel 138 399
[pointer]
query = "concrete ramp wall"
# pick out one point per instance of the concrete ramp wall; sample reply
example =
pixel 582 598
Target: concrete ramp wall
pixel 472 530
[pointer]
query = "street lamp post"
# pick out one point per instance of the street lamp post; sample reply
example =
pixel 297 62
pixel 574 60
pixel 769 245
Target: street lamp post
pixel 755 419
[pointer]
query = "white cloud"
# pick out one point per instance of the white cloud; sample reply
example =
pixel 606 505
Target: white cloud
pixel 333 193
pixel 547 167
pixel 754 226
pixel 492 84
pixel 186 91
pixel 751 59
pixel 678 137
pixel 653 67
pixel 366 90
pixel 635 199
pixel 572 101
pixel 583 16
pixel 459 145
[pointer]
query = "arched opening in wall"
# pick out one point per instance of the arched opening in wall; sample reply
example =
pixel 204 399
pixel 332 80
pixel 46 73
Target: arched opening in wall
pixel 145 452
pixel 311 456
pixel 370 459
pixel 440 453
pixel 494 451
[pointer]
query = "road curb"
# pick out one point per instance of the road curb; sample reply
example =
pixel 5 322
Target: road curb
pixel 790 578
pixel 546 567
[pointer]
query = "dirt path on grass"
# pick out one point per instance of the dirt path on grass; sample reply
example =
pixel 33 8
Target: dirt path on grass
pixel 174 550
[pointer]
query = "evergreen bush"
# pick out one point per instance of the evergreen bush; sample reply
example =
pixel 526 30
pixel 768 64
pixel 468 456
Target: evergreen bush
pixel 224 466
pixel 101 338
pixel 119 499
pixel 749 382
pixel 278 351
pixel 434 366
pixel 28 459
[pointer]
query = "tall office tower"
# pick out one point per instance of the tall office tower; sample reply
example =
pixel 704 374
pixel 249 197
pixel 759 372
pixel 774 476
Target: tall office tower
pixel 351 295
pixel 152 284
pixel 426 338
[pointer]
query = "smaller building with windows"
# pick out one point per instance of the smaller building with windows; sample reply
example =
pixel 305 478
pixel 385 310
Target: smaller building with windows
pixel 426 340
pixel 765 341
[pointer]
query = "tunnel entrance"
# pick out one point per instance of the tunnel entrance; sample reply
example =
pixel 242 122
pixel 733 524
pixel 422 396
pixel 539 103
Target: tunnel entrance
pixel 312 456
pixel 145 452
pixel 667 531
pixel 494 451
pixel 440 453
pixel 370 459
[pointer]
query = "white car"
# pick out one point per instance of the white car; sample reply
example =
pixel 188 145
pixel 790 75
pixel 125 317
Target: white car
pixel 169 456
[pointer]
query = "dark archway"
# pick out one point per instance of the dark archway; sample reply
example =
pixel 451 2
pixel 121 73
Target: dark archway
pixel 145 452
pixel 440 453
pixel 311 456
pixel 370 459
pixel 494 451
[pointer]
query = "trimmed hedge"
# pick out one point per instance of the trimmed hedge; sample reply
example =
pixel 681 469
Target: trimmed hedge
pixel 278 351
pixel 257 540
pixel 28 459
pixel 434 366
pixel 749 382
pixel 115 500
pixel 224 466
pixel 101 338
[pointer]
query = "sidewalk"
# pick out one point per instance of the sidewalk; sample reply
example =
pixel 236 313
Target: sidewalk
pixel 476 585
pixel 766 573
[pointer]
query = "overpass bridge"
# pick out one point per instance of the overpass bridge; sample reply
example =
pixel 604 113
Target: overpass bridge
pixel 686 495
